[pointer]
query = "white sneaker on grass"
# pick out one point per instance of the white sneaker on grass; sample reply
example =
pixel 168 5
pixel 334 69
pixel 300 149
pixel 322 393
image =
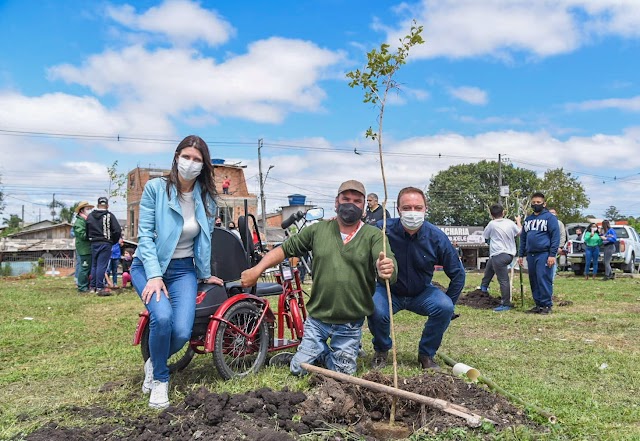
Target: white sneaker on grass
pixel 147 385
pixel 159 398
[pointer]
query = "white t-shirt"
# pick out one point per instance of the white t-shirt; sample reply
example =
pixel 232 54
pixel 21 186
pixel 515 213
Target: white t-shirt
pixel 190 229
pixel 501 234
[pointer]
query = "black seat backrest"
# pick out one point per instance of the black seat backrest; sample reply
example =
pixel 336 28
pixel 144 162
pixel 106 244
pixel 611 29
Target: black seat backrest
pixel 228 257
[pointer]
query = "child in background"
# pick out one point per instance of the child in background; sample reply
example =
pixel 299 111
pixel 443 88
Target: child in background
pixel 126 264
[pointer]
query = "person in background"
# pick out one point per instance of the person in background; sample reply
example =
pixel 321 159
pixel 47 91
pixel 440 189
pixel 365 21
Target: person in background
pixel 563 240
pixel 501 234
pixel 127 258
pixel 116 255
pixel 374 210
pixel 539 242
pixel 418 246
pixel 347 260
pixel 579 233
pixel 231 226
pixel 609 239
pixel 83 246
pixel 218 222
pixel 592 242
pixel 174 249
pixel 225 185
pixel 103 231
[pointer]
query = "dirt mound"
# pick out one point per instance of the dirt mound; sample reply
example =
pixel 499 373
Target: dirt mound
pixel 478 299
pixel 268 415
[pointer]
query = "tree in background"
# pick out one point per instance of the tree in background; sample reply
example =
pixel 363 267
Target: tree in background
pixel 613 213
pixel 12 223
pixel 462 194
pixel 564 193
pixel 117 183
pixel 2 204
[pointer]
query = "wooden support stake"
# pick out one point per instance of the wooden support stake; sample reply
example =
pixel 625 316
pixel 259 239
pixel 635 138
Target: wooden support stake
pixel 472 419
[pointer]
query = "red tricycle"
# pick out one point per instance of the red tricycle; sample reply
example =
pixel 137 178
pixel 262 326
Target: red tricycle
pixel 235 324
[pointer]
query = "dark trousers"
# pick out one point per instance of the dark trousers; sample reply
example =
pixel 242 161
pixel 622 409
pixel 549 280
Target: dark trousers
pixel 100 258
pixel 499 265
pixel 114 271
pixel 540 278
pixel 83 271
pixel 608 249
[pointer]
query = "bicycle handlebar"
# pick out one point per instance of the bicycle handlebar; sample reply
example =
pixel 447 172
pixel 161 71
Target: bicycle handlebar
pixel 291 219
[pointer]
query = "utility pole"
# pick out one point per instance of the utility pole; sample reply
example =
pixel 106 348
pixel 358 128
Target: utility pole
pixel 499 178
pixel 53 208
pixel 263 205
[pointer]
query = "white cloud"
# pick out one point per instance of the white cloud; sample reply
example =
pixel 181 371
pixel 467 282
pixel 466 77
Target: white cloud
pixel 502 28
pixel 182 21
pixel 471 95
pixel 174 81
pixel 627 104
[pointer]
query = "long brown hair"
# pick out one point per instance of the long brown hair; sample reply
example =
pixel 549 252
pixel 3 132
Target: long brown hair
pixel 605 226
pixel 205 178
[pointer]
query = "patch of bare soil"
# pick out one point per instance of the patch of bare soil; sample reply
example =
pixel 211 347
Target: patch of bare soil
pixel 478 299
pixel 267 415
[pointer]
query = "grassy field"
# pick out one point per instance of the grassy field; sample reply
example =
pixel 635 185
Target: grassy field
pixel 60 350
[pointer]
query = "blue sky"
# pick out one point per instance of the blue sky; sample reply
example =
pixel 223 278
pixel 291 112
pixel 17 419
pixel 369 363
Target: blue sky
pixel 547 84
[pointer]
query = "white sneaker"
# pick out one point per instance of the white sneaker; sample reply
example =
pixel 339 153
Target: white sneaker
pixel 159 398
pixel 147 385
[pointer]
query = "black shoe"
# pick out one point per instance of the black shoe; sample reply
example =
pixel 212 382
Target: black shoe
pixel 281 359
pixel 605 278
pixel 379 359
pixel 545 310
pixel 534 310
pixel 103 292
pixel 454 316
pixel 428 363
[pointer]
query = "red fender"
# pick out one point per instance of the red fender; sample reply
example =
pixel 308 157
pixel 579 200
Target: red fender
pixel 216 318
pixel 142 323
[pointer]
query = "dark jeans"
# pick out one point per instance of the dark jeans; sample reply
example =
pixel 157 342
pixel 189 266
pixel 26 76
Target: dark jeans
pixel 609 249
pixel 499 265
pixel 100 257
pixel 114 271
pixel 431 302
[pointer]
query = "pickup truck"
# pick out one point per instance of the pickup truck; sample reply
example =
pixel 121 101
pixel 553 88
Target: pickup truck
pixel 626 257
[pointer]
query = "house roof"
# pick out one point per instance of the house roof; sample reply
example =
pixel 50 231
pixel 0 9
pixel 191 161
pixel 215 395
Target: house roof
pixel 30 228
pixel 14 245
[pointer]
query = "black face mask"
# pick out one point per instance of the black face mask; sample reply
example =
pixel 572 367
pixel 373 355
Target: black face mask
pixel 537 208
pixel 349 213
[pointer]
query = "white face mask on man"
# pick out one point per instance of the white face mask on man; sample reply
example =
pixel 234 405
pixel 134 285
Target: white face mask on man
pixel 412 220
pixel 189 170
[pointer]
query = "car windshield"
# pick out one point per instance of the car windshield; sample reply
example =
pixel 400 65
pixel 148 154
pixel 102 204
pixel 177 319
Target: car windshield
pixel 622 233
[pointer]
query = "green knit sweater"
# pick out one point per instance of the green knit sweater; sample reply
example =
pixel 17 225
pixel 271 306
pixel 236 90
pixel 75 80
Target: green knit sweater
pixel 344 276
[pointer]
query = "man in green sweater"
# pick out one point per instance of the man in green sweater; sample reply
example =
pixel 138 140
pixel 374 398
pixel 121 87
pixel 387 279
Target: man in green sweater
pixel 347 261
pixel 83 246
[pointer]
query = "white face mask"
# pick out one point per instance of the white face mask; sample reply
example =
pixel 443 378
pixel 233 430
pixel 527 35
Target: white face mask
pixel 412 220
pixel 189 170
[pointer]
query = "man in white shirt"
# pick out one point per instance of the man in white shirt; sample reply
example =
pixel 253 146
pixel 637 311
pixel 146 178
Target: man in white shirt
pixel 501 234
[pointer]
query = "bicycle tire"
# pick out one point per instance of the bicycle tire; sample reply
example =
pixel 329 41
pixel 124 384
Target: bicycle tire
pixel 232 356
pixel 176 362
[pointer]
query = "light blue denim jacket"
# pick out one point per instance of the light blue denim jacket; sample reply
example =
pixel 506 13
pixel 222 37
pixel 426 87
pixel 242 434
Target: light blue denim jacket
pixel 160 225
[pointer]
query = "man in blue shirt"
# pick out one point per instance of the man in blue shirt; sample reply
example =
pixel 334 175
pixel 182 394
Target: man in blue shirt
pixel 418 247
pixel 539 240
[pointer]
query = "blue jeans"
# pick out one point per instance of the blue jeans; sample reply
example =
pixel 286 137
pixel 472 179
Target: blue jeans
pixel 591 254
pixel 339 355
pixel 431 302
pixel 100 257
pixel 114 271
pixel 540 278
pixel 171 319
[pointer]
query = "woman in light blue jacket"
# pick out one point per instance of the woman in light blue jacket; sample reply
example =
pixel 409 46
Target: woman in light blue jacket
pixel 174 248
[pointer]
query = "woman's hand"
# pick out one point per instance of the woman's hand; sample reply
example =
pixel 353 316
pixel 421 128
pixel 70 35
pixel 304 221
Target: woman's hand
pixel 155 285
pixel 214 281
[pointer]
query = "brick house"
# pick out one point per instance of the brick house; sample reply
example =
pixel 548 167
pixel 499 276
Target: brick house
pixel 230 206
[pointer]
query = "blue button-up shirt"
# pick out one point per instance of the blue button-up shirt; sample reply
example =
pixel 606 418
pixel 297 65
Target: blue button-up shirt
pixel 417 254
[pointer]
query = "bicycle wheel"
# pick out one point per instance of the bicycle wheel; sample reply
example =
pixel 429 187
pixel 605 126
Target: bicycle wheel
pixel 176 362
pixel 233 354
pixel 296 317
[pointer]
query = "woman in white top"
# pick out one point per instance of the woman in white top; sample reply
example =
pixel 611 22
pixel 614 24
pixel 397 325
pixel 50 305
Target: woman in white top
pixel 174 248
